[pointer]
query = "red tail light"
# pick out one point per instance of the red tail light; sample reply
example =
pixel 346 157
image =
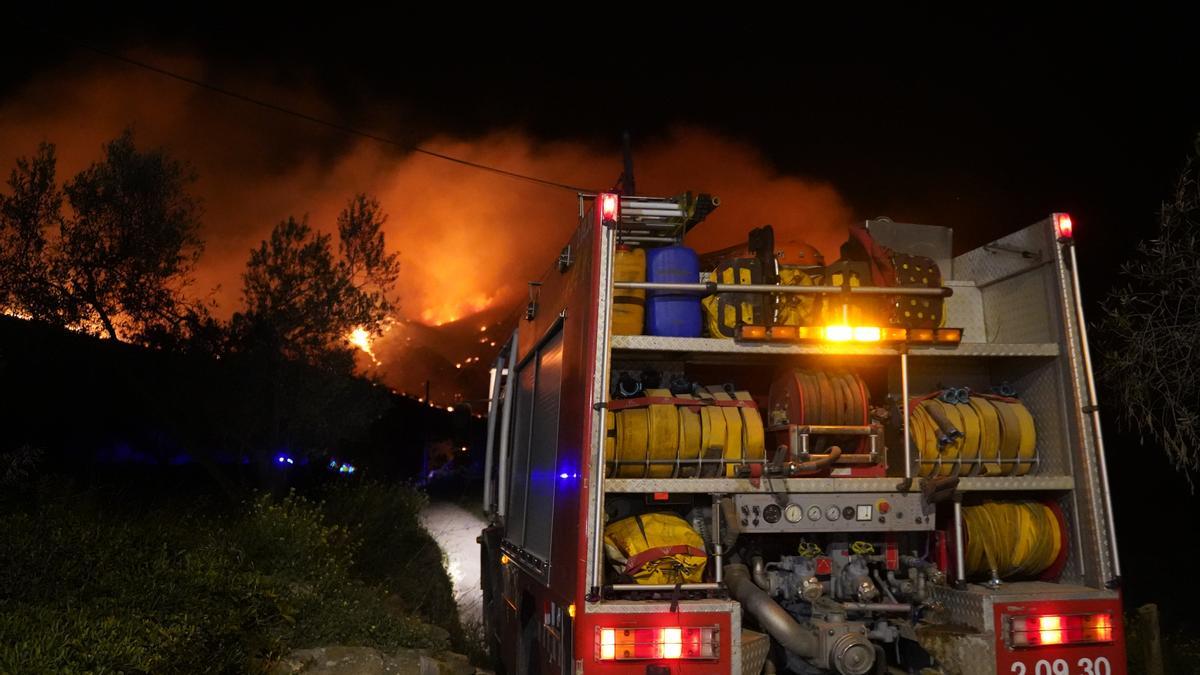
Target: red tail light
pixel 1062 225
pixel 610 207
pixel 675 642
pixel 1061 629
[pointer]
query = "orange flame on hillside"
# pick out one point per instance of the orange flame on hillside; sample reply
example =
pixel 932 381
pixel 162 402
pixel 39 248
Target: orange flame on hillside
pixel 361 338
pixel 451 311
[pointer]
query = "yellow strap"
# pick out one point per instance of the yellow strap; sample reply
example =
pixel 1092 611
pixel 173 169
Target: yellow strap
pixel 989 437
pixel 950 451
pixel 1010 435
pixel 610 442
pixel 663 434
pixel 733 430
pixel 753 436
pixel 689 437
pixel 633 436
pixel 972 436
pixel 712 438
pixel 1027 447
pixel 924 436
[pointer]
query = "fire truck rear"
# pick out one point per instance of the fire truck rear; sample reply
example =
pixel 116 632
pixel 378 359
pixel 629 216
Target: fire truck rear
pixel 754 461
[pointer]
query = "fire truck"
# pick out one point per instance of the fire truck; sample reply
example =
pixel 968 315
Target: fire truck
pixel 849 489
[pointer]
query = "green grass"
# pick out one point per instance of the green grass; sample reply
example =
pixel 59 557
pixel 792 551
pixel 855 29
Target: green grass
pixel 87 586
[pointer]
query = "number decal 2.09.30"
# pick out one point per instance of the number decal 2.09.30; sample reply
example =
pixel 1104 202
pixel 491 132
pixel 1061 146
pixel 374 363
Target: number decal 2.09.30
pixel 1083 666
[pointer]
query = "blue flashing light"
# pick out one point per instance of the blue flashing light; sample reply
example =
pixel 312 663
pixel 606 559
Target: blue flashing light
pixel 564 475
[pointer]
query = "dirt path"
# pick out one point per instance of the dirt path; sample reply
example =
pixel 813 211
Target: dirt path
pixel 455 529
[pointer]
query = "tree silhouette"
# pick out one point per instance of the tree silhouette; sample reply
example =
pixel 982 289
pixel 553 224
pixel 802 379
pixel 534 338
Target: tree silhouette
pixel 1151 329
pixel 119 261
pixel 128 253
pixel 33 207
pixel 302 301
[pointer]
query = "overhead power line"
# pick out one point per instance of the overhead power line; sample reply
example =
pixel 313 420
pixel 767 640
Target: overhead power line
pixel 410 147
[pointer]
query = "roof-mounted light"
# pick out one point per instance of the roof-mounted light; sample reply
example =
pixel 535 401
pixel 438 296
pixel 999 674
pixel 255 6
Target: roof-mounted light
pixel 1063 225
pixel 610 207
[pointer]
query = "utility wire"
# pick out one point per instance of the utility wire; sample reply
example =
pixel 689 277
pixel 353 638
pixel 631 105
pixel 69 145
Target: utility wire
pixel 323 122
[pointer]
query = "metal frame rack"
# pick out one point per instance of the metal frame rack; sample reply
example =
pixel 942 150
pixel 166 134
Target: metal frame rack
pixel 1015 345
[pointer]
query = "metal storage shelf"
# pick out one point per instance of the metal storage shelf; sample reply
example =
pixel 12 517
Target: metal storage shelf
pixel 631 344
pixel 845 485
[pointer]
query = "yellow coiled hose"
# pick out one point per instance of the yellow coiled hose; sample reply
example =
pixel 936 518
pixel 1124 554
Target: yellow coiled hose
pixel 1010 539
pixel 675 436
pixel 991 428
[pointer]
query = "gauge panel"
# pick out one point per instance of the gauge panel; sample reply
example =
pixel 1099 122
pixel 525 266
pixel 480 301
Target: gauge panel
pixel 833 512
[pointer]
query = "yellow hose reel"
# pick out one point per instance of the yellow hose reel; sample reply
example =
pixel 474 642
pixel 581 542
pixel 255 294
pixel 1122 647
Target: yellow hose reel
pixel 1013 539
pixel 677 431
pixel 959 438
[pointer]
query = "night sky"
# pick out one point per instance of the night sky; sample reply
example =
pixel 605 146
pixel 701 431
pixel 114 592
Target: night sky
pixel 985 124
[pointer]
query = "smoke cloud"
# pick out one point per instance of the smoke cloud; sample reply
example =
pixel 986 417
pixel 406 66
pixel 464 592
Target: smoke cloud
pixel 469 239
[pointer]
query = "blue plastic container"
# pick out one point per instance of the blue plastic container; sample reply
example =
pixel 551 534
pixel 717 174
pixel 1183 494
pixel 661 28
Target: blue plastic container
pixel 673 314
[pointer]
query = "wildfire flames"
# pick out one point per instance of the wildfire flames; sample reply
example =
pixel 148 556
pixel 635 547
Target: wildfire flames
pixel 449 312
pixel 469 240
pixel 361 338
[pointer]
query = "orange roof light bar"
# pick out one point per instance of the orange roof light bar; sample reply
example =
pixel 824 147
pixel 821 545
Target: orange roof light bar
pixel 751 333
pixel 947 336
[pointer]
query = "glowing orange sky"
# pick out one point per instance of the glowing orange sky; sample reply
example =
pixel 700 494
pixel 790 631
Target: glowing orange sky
pixel 468 239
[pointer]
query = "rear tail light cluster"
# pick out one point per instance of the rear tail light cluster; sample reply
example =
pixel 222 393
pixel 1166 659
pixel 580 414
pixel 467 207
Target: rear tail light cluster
pixel 629 644
pixel 1061 629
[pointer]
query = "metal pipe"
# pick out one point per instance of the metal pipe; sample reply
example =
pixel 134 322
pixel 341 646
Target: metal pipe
pixel 771 617
pixel 681 460
pixel 827 429
pixel 908 463
pixel 645 239
pixel 877 607
pixel 758 572
pixel 1094 411
pixel 959 557
pixel 769 288
pixel 820 463
pixel 664 587
pixel 489 460
pixel 608 245
pixel 984 460
pixel 887 590
pixel 640 226
pixel 718 545
pixel 505 423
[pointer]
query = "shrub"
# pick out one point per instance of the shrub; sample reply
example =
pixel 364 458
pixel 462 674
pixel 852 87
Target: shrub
pixel 394 551
pixel 83 589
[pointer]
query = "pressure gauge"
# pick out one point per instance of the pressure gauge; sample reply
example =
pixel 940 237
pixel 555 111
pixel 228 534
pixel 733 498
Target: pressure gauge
pixel 814 513
pixel 833 513
pixel 793 513
pixel 771 513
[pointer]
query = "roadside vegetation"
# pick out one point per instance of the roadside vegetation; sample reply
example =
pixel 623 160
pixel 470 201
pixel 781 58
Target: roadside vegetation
pixel 98 581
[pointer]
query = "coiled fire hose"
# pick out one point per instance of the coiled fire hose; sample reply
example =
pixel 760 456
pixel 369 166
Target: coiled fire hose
pixel 1010 539
pixel 664 435
pixel 958 434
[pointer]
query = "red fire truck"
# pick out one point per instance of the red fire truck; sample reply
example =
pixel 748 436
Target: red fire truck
pixel 857 490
